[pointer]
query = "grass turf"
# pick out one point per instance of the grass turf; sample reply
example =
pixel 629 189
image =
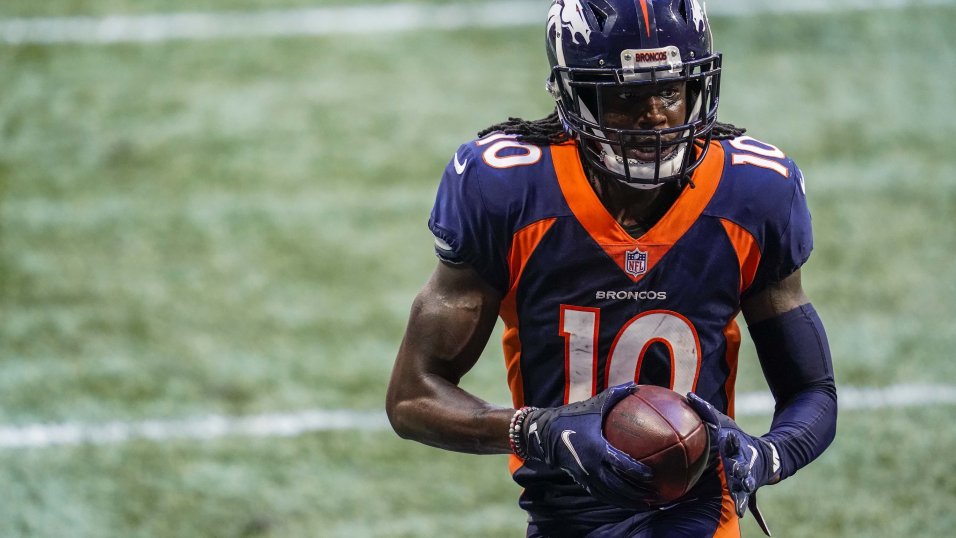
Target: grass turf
pixel 238 226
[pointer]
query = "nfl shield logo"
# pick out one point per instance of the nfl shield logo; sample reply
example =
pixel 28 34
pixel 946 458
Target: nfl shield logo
pixel 635 262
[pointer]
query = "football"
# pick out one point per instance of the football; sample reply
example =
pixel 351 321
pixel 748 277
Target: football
pixel 657 427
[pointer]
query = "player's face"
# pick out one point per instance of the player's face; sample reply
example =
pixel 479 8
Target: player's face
pixel 647 108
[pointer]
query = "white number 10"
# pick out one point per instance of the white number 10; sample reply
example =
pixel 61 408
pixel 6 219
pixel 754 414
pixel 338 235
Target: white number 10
pixel 580 329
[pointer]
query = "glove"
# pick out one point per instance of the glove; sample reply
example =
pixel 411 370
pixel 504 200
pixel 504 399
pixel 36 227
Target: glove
pixel 747 460
pixel 570 438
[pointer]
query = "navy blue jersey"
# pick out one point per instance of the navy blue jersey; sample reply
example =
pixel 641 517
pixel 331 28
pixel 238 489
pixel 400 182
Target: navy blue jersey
pixel 585 305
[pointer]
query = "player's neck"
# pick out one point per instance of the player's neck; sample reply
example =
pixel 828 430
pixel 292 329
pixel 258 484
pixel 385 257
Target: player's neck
pixel 636 210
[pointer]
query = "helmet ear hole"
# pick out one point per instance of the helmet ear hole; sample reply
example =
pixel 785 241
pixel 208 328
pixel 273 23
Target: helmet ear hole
pixel 599 15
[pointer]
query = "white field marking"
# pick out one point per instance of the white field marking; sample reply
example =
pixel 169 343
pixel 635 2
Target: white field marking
pixel 855 398
pixel 197 428
pixel 272 23
pixel 293 424
pixel 362 19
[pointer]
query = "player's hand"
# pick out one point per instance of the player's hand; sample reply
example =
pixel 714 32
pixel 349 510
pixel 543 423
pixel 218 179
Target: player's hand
pixel 570 438
pixel 747 460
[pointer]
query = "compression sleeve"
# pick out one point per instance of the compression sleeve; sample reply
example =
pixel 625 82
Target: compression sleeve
pixel 795 358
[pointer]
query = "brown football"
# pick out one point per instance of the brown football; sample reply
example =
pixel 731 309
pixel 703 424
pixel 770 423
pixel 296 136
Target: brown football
pixel 657 427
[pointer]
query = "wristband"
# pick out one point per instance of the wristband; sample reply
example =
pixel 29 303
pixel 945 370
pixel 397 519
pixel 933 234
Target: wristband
pixel 515 437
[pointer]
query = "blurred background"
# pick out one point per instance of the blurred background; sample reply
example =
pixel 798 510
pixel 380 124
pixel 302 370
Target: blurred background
pixel 212 227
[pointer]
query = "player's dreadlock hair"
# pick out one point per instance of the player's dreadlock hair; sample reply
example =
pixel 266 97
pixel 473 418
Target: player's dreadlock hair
pixel 549 130
pixel 542 132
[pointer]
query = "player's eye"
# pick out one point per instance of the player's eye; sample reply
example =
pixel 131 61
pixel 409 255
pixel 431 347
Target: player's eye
pixel 670 93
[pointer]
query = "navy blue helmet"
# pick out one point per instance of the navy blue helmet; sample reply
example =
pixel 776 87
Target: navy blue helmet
pixel 602 47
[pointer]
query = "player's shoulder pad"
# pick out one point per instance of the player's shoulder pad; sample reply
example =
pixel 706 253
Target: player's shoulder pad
pixel 762 191
pixel 756 161
pixel 499 155
pixel 760 171
pixel 498 167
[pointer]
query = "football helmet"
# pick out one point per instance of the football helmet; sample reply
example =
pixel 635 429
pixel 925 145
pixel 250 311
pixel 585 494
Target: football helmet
pixel 604 48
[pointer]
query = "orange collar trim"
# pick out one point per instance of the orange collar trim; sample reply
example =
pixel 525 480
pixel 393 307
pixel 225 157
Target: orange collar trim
pixel 608 233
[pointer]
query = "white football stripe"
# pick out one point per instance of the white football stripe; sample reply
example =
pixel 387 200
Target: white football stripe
pixel 362 19
pixel 293 424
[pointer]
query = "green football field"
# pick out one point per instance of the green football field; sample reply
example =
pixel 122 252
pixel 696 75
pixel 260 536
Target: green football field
pixel 235 228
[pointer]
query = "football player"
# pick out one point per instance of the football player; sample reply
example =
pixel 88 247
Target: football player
pixel 617 240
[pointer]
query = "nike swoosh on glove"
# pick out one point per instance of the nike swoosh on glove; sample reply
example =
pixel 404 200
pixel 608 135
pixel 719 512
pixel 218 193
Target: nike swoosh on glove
pixel 570 438
pixel 747 460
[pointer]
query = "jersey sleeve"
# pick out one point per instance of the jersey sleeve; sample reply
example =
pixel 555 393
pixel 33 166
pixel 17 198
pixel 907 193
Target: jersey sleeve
pixel 789 235
pixel 466 231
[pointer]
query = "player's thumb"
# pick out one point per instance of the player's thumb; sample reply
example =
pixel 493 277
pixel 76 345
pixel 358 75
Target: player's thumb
pixel 703 408
pixel 615 394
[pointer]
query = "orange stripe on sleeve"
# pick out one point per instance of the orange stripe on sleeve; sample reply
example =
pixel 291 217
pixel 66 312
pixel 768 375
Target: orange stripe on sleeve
pixel 748 254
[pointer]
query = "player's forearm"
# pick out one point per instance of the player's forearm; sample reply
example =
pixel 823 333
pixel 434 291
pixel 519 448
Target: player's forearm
pixel 795 357
pixel 445 416
pixel 804 427
pixel 451 320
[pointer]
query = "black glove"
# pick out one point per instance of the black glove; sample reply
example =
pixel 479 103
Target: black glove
pixel 747 460
pixel 570 438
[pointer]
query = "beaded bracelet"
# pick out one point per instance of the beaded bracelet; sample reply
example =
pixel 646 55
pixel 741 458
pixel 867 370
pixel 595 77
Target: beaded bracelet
pixel 514 431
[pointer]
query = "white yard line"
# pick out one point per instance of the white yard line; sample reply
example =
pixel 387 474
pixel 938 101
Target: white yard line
pixel 298 423
pixel 272 23
pixel 856 398
pixel 720 8
pixel 196 428
pixel 361 19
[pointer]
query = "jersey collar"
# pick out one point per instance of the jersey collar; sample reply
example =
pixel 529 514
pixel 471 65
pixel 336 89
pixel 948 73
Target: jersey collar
pixel 610 235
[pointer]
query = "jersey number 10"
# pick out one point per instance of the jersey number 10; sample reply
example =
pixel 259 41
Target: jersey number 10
pixel 580 329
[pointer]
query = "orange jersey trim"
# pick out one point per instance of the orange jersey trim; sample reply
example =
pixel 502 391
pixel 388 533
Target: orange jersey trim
pixel 608 233
pixel 514 463
pixel 523 244
pixel 748 253
pixel 729 526
pixel 732 337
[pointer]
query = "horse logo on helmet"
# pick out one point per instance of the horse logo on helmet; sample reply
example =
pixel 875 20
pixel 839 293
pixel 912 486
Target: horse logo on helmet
pixel 697 12
pixel 570 13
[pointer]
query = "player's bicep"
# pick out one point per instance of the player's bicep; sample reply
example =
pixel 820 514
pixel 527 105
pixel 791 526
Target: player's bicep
pixel 450 322
pixel 775 299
